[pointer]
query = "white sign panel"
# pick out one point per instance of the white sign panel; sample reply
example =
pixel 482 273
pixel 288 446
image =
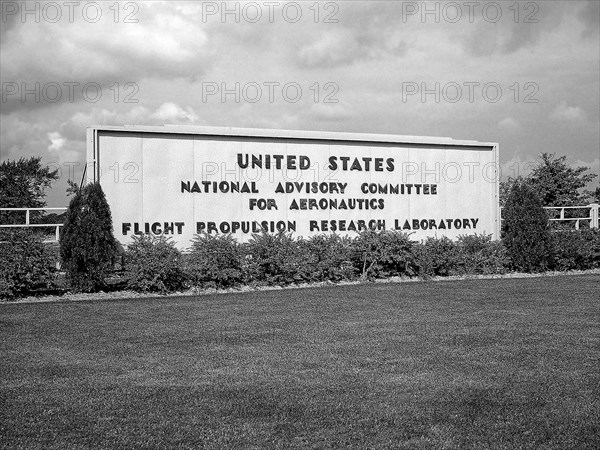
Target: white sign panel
pixel 180 182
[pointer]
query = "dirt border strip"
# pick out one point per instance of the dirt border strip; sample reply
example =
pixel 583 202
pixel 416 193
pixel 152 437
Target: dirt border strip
pixel 194 292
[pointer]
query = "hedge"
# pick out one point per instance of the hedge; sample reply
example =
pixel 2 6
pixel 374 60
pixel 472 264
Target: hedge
pixel 26 263
pixel 153 263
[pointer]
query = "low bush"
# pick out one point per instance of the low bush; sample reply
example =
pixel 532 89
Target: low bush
pixel 383 254
pixel 214 261
pixel 478 255
pixel 153 264
pixel 436 257
pixel 576 249
pixel 26 263
pixel 276 259
pixel 330 258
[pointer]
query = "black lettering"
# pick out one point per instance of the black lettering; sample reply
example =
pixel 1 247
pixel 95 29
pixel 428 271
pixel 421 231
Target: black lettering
pixel 291 162
pixel 332 163
pixel 304 162
pixel 390 164
pixel 168 228
pixel 240 160
pixel 355 165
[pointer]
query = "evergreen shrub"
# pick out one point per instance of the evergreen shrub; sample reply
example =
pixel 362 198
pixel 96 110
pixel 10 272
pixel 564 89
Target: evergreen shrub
pixel 526 231
pixel 87 245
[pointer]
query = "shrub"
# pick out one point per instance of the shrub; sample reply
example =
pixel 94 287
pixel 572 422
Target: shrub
pixel 436 257
pixel 329 257
pixel 87 245
pixel 383 254
pixel 276 259
pixel 576 249
pixel 153 264
pixel 478 254
pixel 525 230
pixel 25 263
pixel 214 261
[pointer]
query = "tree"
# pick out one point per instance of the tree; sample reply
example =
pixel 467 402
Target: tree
pixel 525 230
pixel 87 244
pixel 22 185
pixel 555 182
pixel 506 187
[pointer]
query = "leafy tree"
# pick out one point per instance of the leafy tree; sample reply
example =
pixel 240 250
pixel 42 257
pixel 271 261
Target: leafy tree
pixel 506 186
pixel 22 185
pixel 525 230
pixel 556 183
pixel 87 244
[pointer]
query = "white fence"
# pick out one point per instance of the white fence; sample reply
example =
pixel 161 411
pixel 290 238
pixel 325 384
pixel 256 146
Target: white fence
pixel 592 217
pixel 28 223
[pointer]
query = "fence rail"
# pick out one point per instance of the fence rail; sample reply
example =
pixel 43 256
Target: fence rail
pixel 592 218
pixel 28 223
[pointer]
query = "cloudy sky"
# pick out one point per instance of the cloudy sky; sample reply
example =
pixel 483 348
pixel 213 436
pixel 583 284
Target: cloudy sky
pixel 525 75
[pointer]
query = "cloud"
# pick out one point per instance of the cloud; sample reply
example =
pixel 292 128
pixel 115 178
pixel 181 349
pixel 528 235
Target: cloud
pixel 344 46
pixel 56 141
pixel 518 166
pixel 63 150
pixel 588 15
pixel 330 49
pixel 331 112
pixel 562 112
pixel 164 44
pixel 172 113
pixel 519 27
pixel 509 124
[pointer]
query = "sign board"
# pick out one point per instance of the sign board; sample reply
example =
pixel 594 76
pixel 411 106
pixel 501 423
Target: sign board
pixel 180 181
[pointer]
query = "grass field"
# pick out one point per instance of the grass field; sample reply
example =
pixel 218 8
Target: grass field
pixel 506 363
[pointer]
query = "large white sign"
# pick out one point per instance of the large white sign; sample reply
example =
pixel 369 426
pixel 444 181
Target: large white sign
pixel 180 182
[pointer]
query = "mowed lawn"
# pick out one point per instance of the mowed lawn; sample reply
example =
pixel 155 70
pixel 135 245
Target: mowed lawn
pixel 506 363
